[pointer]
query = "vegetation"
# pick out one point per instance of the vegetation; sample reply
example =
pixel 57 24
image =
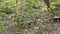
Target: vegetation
pixel 20 13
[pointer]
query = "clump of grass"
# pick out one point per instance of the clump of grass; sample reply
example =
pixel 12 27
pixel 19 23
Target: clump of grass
pixel 3 14
pixel 20 16
pixel 25 25
pixel 20 25
pixel 2 27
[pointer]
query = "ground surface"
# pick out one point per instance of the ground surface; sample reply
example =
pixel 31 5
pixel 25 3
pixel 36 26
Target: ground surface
pixel 39 24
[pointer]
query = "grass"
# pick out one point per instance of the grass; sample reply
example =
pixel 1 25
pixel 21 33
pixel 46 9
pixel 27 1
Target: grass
pixel 30 12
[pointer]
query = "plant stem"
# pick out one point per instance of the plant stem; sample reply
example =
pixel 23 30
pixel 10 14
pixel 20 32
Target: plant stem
pixel 17 13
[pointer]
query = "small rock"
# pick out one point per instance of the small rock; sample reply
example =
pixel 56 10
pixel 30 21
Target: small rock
pixel 56 18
